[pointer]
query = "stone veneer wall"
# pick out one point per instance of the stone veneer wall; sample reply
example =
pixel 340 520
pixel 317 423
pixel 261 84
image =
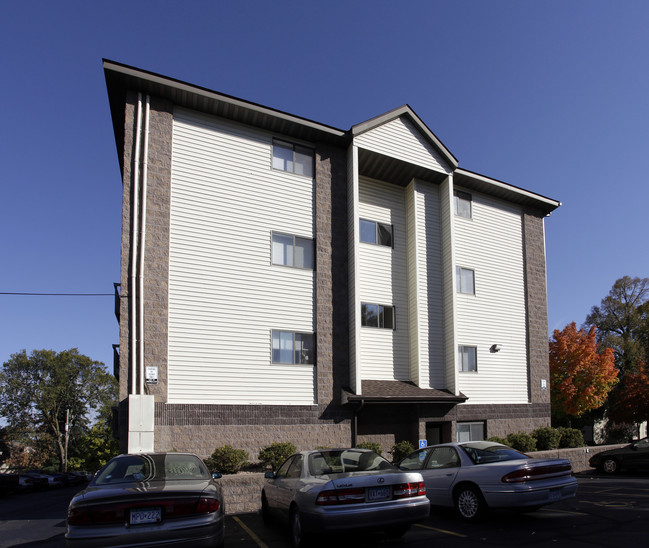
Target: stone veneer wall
pixel 537 307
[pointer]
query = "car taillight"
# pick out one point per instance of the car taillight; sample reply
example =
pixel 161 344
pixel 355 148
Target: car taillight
pixel 537 473
pixel 119 512
pixel 406 490
pixel 207 505
pixel 340 496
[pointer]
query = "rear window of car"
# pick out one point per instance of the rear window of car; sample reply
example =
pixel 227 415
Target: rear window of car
pixel 486 452
pixel 135 468
pixel 348 460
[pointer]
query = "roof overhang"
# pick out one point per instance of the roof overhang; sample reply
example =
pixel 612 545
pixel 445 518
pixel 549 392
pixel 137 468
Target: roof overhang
pixel 122 78
pixel 401 392
pixel 407 112
pixel 505 191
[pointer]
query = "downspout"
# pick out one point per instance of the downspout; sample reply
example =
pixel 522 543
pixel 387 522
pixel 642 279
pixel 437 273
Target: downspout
pixel 140 290
pixel 134 244
pixel 356 412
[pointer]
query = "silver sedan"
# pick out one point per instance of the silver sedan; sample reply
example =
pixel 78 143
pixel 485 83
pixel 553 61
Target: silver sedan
pixel 335 490
pixel 149 499
pixel 474 476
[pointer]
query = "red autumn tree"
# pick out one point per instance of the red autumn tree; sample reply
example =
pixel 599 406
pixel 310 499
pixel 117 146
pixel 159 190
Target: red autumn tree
pixel 580 377
pixel 631 404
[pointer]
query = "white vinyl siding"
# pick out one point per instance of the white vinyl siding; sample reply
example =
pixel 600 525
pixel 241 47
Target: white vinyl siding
pixel 426 283
pixel 225 296
pixel 382 276
pixel 491 244
pixel 399 139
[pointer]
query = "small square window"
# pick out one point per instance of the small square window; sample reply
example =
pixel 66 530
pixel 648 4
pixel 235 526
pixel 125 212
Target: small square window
pixel 470 431
pixel 462 204
pixel 468 358
pixel 465 280
pixel 377 315
pixel 293 251
pixel 293 348
pixel 293 158
pixel 376 233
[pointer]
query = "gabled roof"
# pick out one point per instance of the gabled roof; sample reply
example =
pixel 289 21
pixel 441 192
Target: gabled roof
pixel 410 114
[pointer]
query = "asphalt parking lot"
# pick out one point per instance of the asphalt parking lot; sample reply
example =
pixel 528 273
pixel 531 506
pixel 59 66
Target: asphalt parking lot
pixel 607 512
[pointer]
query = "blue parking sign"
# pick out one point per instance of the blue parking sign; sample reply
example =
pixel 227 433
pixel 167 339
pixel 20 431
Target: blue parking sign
pixel 422 444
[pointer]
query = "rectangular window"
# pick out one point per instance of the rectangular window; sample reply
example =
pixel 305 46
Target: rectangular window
pixel 470 431
pixel 468 358
pixel 376 233
pixel 293 251
pixel 293 348
pixel 462 204
pixel 465 280
pixel 377 315
pixel 293 158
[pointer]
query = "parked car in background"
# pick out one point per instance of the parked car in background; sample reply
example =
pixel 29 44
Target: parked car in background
pixel 634 456
pixel 149 499
pixel 474 476
pixel 39 481
pixel 335 490
pixel 9 483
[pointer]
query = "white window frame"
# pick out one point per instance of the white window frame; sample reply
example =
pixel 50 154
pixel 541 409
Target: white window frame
pixel 464 364
pixel 291 263
pixel 281 163
pixel 378 227
pixel 463 201
pixel 297 357
pixel 459 271
pixel 380 316
pixel 473 428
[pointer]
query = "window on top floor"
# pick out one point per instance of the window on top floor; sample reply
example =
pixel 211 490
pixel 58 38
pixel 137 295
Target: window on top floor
pixel 465 280
pixel 377 315
pixel 462 204
pixel 289 250
pixel 376 233
pixel 293 158
pixel 293 348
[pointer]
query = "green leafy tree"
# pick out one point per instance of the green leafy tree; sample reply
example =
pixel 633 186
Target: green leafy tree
pixel 50 395
pixel 96 447
pixel 622 322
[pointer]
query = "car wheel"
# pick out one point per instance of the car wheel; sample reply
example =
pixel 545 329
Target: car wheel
pixel 469 503
pixel 265 511
pixel 397 531
pixel 610 466
pixel 298 536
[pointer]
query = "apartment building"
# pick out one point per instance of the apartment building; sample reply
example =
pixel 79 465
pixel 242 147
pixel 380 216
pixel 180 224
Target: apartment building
pixel 285 280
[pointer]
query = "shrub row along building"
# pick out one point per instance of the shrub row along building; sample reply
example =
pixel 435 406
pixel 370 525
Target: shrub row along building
pixel 285 280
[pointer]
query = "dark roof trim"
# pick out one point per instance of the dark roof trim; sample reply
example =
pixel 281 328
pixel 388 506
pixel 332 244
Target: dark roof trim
pixel 387 392
pixel 500 189
pixel 406 111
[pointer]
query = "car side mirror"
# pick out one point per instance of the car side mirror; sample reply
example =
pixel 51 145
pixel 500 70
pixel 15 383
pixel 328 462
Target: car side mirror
pixel 217 475
pixel 269 474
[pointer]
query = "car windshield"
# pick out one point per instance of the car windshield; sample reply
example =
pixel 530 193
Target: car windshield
pixel 484 452
pixel 337 461
pixel 163 467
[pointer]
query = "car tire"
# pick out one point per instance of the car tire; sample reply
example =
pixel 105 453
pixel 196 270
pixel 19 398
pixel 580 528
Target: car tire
pixel 299 539
pixel 610 466
pixel 396 531
pixel 265 511
pixel 469 503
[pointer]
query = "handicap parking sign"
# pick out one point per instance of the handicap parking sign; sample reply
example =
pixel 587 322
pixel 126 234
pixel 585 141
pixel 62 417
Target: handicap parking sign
pixel 422 444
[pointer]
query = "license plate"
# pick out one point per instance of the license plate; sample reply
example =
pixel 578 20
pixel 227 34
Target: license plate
pixel 146 515
pixel 378 493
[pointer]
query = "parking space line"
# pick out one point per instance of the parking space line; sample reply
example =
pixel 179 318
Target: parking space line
pixel 444 531
pixel 251 533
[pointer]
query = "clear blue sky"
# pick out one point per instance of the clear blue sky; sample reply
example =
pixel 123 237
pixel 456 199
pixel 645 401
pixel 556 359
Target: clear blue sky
pixel 551 96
